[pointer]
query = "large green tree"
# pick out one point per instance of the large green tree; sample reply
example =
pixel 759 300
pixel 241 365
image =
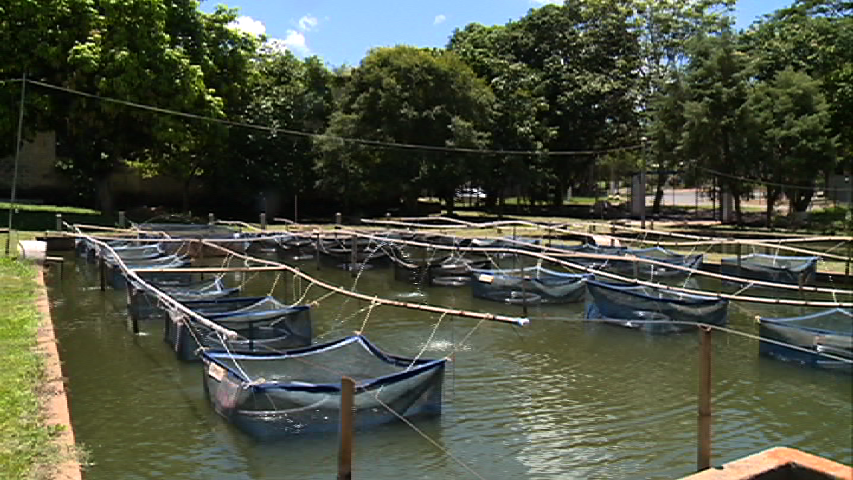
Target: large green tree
pixel 719 128
pixel 792 119
pixel 410 96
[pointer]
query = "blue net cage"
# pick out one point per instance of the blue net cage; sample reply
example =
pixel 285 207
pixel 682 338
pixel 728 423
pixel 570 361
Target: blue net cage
pixel 827 331
pixel 275 396
pixel 529 285
pixel 652 310
pixel 263 324
pixel 780 269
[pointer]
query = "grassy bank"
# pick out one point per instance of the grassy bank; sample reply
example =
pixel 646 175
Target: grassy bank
pixel 26 447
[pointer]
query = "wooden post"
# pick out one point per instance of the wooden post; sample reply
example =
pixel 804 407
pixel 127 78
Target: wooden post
pixel 703 458
pixel 122 219
pixel 211 219
pixel 58 222
pixel 102 267
pixel 318 249
pixel 513 232
pixel 296 209
pixel 346 428
pixel 738 249
pixel 133 308
pixel 523 294
pixel 263 221
pixel 337 220
pixel 353 255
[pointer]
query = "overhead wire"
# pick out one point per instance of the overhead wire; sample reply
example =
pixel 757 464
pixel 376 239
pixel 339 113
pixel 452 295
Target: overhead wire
pixel 358 141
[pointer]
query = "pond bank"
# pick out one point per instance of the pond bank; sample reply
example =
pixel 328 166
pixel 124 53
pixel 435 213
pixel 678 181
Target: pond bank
pixel 36 440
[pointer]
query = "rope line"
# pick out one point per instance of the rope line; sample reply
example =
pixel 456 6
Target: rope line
pixel 358 141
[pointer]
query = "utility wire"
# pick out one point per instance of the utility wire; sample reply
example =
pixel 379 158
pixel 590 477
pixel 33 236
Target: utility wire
pixel 763 182
pixel 358 141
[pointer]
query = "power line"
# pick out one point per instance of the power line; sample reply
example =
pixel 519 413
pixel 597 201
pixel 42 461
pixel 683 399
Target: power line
pixel 359 141
pixel 783 185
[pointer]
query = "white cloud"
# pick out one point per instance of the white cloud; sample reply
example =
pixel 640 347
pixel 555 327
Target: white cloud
pixel 544 2
pixel 249 25
pixel 295 42
pixel 439 19
pixel 308 23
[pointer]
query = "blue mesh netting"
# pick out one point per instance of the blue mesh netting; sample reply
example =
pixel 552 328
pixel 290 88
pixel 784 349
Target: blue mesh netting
pixel 782 269
pixel 631 306
pixel 270 396
pixel 530 285
pixel 263 324
pixel 827 331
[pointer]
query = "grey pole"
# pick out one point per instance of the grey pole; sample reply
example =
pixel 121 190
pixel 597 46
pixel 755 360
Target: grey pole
pixel 17 159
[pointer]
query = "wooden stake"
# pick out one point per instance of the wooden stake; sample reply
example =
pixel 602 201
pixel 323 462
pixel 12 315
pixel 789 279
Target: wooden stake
pixel 263 221
pixel 703 458
pixel 353 255
pixel 318 250
pixel 58 222
pixel 346 427
pixel 102 268
pixel 738 250
pixel 133 307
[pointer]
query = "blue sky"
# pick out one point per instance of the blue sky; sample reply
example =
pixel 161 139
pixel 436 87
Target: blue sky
pixel 342 31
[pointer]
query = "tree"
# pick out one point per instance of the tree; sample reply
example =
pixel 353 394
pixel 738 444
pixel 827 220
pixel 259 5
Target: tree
pixel 719 129
pixel 518 109
pixel 792 119
pixel 664 28
pixel 411 96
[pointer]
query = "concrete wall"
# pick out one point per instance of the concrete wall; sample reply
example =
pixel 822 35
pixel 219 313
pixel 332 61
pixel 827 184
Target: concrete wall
pixel 39 179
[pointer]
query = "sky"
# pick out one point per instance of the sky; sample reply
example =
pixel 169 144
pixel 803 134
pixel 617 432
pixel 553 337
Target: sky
pixel 342 31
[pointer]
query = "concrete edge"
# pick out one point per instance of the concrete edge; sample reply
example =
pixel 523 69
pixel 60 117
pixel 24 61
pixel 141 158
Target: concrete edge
pixel 768 460
pixel 54 401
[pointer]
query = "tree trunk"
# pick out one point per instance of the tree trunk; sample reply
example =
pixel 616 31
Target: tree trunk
pixel 105 196
pixel 738 213
pixel 659 192
pixel 449 202
pixel 772 193
pixel 185 195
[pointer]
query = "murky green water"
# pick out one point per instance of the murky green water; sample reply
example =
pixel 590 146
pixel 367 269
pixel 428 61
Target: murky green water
pixel 559 399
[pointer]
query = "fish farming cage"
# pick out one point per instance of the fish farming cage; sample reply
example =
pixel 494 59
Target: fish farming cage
pixel 299 391
pixel 780 269
pixel 181 287
pixel 652 310
pixel 826 331
pixel 661 255
pixel 339 251
pixel 263 324
pixel 117 277
pixel 529 285
pixel 444 271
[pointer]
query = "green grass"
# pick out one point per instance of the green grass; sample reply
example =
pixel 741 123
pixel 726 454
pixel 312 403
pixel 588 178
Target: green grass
pixel 43 217
pixel 27 449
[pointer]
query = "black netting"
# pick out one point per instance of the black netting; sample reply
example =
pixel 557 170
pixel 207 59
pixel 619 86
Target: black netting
pixel 528 285
pixel 265 325
pixel 782 269
pixel 632 305
pixel 279 395
pixel 828 331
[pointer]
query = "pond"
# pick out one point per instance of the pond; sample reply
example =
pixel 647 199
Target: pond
pixel 557 399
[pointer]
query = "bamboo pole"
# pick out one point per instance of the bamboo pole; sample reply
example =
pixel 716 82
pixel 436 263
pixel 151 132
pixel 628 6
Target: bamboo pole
pixel 703 458
pixel 161 296
pixel 558 259
pixel 378 300
pixel 346 429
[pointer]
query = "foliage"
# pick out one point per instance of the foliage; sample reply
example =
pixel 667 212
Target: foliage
pixel 405 95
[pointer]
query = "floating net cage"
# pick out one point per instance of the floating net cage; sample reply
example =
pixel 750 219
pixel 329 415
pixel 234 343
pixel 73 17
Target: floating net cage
pixel 597 263
pixel 529 285
pixel 780 269
pixel 652 310
pixel 299 391
pixel 827 331
pixel 143 304
pixel 429 268
pixel 263 324
pixel 339 251
pixel 661 255
pixel 117 277
pixel 296 247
